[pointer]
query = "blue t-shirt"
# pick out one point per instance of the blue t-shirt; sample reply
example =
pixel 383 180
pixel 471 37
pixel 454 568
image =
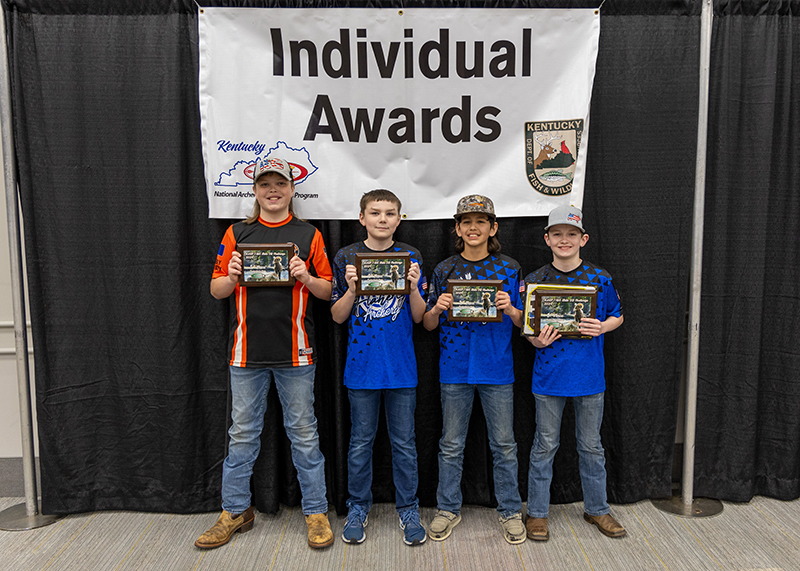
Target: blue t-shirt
pixel 573 367
pixel 476 352
pixel 380 348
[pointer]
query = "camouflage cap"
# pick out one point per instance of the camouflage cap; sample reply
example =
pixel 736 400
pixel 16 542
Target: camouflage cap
pixel 474 203
pixel 269 164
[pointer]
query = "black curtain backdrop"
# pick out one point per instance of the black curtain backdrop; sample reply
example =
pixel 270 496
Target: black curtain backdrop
pixel 130 347
pixel 749 388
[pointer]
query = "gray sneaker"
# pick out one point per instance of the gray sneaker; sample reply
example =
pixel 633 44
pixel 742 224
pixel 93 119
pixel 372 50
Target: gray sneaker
pixel 443 524
pixel 513 528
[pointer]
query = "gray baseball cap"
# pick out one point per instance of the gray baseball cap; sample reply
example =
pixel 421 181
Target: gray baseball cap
pixel 267 164
pixel 565 215
pixel 474 203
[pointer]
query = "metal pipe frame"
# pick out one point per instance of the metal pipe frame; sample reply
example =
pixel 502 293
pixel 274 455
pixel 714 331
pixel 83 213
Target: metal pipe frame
pixel 696 271
pixel 17 280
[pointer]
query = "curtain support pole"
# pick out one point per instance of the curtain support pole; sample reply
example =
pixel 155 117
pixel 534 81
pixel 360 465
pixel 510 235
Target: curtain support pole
pixel 687 505
pixel 22 516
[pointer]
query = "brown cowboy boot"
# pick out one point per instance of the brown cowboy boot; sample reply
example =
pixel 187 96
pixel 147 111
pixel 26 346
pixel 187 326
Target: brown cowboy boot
pixel 607 525
pixel 536 528
pixel 222 531
pixel 319 531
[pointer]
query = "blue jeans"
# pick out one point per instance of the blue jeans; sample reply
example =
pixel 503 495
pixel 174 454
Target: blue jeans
pixel 364 411
pixel 498 408
pixel 249 388
pixel 591 458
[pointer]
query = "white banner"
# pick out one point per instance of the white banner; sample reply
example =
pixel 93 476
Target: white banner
pixel 433 104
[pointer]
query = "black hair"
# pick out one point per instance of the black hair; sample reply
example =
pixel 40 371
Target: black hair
pixel 493 244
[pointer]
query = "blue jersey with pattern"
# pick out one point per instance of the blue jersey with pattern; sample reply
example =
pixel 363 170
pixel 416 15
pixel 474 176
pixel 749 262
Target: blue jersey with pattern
pixel 573 367
pixel 476 352
pixel 380 347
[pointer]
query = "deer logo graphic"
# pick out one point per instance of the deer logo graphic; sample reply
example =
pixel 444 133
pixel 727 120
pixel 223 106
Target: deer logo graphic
pixel 546 151
pixel 551 152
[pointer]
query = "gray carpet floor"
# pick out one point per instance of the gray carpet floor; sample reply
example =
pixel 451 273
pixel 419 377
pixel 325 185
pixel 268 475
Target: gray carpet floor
pixel 762 535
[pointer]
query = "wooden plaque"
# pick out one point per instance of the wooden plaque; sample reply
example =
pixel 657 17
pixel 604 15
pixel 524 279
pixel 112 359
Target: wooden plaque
pixel 383 273
pixel 266 264
pixel 559 306
pixel 474 300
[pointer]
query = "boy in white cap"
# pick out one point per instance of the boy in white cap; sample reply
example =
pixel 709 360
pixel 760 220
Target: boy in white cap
pixel 272 340
pixel 476 357
pixel 571 367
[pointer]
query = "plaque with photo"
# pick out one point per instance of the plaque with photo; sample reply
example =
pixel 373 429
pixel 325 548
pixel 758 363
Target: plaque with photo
pixel 383 273
pixel 474 300
pixel 266 264
pixel 559 306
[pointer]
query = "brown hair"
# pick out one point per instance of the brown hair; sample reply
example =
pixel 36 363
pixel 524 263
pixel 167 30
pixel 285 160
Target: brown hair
pixel 377 195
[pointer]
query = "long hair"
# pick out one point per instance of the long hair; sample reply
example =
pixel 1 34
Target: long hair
pixel 257 207
pixel 493 243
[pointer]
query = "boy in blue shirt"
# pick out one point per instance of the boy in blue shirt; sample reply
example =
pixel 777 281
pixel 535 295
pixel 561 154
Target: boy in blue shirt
pixel 476 356
pixel 571 368
pixel 380 361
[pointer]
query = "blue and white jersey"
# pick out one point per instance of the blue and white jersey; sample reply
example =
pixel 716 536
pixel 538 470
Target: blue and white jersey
pixel 476 352
pixel 573 367
pixel 380 347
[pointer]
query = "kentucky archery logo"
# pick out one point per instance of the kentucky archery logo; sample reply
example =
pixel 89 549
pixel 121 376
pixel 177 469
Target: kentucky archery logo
pixel 239 171
pixel 551 152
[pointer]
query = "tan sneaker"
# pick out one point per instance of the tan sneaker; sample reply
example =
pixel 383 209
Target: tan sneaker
pixel 442 525
pixel 319 531
pixel 536 527
pixel 606 524
pixel 513 528
pixel 222 531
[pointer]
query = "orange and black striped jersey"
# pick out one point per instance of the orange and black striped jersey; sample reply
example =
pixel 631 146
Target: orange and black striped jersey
pixel 272 326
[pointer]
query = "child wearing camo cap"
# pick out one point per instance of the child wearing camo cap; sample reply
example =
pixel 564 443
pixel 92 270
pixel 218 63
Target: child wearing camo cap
pixel 476 357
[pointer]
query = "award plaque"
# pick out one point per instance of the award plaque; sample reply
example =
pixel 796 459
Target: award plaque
pixel 266 264
pixel 557 305
pixel 384 273
pixel 474 300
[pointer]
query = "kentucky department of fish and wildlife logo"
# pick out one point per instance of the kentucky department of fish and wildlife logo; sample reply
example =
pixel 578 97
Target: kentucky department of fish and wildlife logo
pixel 551 152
